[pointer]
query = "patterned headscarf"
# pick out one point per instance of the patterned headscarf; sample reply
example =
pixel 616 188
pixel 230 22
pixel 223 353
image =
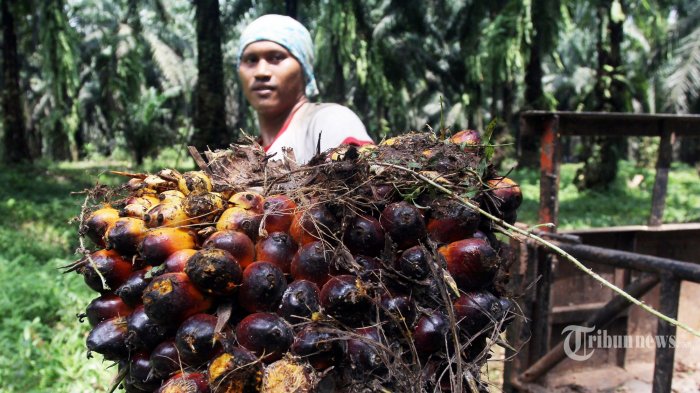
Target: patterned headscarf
pixel 290 34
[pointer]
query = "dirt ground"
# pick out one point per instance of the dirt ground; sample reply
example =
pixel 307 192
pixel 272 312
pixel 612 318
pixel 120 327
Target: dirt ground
pixel 637 375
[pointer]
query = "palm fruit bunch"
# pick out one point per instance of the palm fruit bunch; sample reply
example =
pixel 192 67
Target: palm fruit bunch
pixel 351 273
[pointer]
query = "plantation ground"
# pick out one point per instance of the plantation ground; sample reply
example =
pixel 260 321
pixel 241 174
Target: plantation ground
pixel 42 343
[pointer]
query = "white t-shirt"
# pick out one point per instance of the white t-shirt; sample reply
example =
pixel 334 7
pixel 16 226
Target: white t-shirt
pixel 334 124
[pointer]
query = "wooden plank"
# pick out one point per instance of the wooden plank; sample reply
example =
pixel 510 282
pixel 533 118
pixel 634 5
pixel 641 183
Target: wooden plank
pixel 549 172
pixel 691 226
pixel 663 361
pixel 618 124
pixel 574 312
pixel 663 164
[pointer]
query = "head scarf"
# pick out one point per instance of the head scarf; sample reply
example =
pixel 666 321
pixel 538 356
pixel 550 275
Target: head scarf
pixel 289 33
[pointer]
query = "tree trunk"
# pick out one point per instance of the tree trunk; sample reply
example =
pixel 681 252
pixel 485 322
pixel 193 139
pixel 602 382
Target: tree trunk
pixel 291 8
pixel 209 100
pixel 603 153
pixel 15 139
pixel 527 144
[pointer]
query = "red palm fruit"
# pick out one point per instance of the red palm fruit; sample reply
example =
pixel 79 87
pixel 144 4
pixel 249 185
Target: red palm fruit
pixel 278 213
pixel 214 271
pixel 364 235
pixel 248 200
pixel 140 373
pixel 160 243
pixel 466 139
pixel 97 223
pixel 172 297
pixel 450 220
pixel 165 359
pixel 238 244
pixel 321 349
pixel 288 375
pixel 126 235
pixel 132 289
pixel 185 383
pixel 507 192
pixel 267 335
pixel 167 214
pixel 177 261
pixel 262 287
pixel 235 371
pixel 312 263
pixel 300 301
pixel 277 248
pixel 363 353
pixel 313 224
pixel 115 270
pixel 414 263
pixel 476 310
pixel 345 298
pixel 106 307
pixel 471 262
pixel 196 339
pixel 109 339
pixel 399 311
pixel 142 332
pixel 240 220
pixel 202 207
pixel 404 223
pixel 137 207
pixel 194 181
pixel 432 333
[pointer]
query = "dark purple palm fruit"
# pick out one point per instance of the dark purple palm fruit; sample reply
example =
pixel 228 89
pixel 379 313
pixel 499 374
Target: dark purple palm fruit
pixel 171 298
pixel 131 291
pixel 267 335
pixel 143 333
pixel 165 359
pixel 321 349
pixel 475 311
pixel 345 298
pixel 196 339
pixel 432 333
pixel 471 262
pixel 214 271
pixel 404 224
pixel 450 220
pixel 363 351
pixel 106 307
pixel 236 370
pixel 111 266
pixel 277 248
pixel 312 263
pixel 399 312
pixel 125 235
pixel 300 301
pixel 109 339
pixel 177 261
pixel 262 287
pixel 140 374
pixel 369 268
pixel 312 224
pixel 364 235
pixel 414 263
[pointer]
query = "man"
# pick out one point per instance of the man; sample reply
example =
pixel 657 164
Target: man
pixel 275 66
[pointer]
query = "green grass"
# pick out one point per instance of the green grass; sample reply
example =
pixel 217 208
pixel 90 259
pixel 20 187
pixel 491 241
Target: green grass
pixel 42 344
pixel 621 204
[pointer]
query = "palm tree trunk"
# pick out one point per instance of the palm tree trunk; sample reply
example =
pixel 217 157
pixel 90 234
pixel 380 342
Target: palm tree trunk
pixel 209 96
pixel 15 140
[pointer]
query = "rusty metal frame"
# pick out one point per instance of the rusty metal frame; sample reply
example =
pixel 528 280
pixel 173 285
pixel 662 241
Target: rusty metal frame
pixel 536 357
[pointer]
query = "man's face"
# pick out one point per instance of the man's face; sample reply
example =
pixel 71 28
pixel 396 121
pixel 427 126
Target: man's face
pixel 272 79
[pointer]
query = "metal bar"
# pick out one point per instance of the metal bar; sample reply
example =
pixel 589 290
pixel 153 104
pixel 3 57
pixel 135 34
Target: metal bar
pixel 630 260
pixel 663 163
pixel 600 319
pixel 664 359
pixel 618 124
